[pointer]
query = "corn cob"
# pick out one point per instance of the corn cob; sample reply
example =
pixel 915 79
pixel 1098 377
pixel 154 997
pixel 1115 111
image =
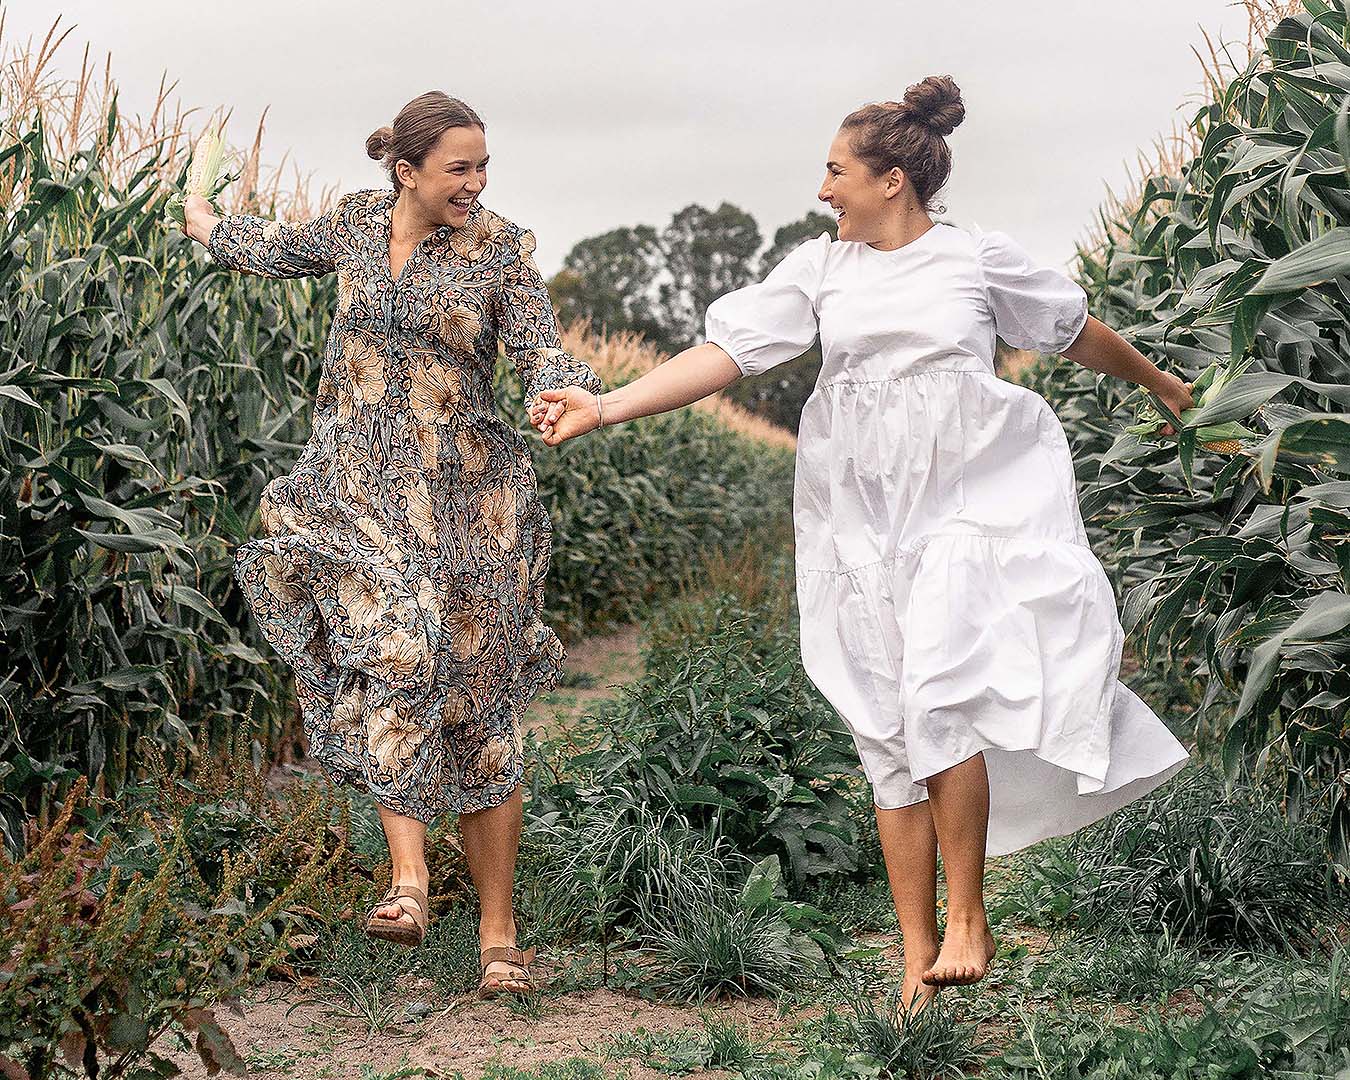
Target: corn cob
pixel 1220 438
pixel 204 174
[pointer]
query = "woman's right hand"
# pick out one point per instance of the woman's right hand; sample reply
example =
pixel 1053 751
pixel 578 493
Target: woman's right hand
pixel 564 414
pixel 199 216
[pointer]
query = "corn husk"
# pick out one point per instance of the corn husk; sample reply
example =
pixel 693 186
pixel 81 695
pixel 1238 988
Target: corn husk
pixel 205 174
pixel 1226 438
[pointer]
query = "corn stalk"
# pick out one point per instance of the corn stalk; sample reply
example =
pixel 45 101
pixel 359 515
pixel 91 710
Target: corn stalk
pixel 1236 266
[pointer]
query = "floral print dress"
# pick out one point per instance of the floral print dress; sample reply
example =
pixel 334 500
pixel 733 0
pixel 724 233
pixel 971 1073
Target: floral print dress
pixel 402 571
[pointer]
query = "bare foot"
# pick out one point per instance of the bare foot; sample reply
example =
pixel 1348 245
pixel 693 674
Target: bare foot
pixel 915 996
pixel 964 957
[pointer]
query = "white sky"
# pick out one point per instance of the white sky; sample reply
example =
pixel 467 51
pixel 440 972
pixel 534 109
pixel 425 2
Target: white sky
pixel 604 113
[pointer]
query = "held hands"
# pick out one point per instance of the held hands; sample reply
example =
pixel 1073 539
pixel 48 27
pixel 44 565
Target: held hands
pixel 559 415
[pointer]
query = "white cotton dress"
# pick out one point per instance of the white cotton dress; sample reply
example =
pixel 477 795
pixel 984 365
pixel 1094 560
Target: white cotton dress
pixel 950 602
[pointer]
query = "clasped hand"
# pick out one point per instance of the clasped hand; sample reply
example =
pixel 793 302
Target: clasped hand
pixel 559 415
pixel 1176 395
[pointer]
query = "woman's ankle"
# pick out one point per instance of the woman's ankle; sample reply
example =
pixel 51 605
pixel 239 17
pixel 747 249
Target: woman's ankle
pixel 410 875
pixel 920 954
pixel 496 932
pixel 973 920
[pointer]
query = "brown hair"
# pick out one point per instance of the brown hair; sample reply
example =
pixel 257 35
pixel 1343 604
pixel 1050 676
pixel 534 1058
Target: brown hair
pixel 909 134
pixel 417 128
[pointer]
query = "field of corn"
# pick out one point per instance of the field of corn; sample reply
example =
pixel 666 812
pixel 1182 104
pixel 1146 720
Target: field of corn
pixel 700 865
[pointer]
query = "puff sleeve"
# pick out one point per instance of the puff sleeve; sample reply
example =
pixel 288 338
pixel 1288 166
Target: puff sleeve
pixel 1034 307
pixel 768 323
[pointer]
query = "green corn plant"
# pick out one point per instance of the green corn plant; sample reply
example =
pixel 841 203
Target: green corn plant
pixel 1225 438
pixel 1229 268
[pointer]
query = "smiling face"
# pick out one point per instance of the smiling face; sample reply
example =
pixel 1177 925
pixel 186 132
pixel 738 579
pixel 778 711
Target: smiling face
pixel 862 200
pixel 447 184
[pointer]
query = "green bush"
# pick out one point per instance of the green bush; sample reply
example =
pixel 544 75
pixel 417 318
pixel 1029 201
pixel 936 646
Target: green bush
pixel 1125 966
pixel 598 869
pixel 718 1043
pixel 1292 1027
pixel 1205 865
pixel 726 729
pixel 706 938
pixel 878 1038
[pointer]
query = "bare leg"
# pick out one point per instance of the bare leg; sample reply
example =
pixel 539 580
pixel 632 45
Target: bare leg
pixel 491 842
pixel 959 799
pixel 407 839
pixel 909 843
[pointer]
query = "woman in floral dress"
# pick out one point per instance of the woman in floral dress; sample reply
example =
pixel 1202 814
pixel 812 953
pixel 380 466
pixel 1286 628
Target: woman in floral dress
pixel 402 570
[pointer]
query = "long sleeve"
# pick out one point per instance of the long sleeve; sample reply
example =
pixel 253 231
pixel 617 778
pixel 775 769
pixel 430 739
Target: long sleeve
pixel 768 323
pixel 278 249
pixel 1034 307
pixel 528 329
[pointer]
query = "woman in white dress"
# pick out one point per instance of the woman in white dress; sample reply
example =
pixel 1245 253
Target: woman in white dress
pixel 951 608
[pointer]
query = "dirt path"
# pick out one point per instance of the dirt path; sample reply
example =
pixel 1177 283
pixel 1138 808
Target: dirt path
pixel 287 1032
pixel 597 668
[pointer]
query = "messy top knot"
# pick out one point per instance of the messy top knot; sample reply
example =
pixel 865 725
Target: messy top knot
pixel 417 128
pixel 909 134
pixel 935 103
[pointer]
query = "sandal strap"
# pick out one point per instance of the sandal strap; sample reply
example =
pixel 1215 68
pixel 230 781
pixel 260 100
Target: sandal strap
pixel 412 892
pixel 507 954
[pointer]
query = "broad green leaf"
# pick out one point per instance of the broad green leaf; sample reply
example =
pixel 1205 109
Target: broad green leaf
pixel 1314 263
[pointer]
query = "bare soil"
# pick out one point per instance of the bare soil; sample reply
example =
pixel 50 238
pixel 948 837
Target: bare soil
pixel 597 668
pixel 286 1032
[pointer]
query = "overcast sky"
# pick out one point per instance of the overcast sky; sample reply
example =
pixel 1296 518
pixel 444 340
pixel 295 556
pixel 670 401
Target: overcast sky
pixel 604 113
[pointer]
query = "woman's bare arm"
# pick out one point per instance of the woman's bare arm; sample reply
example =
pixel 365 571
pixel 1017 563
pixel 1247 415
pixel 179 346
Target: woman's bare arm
pixel 1100 348
pixel 684 378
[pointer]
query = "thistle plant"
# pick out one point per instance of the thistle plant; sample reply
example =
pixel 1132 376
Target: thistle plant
pixel 100 963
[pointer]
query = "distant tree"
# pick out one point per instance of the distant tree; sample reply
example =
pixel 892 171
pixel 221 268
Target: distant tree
pixel 660 284
pixel 614 280
pixel 792 235
pixel 708 253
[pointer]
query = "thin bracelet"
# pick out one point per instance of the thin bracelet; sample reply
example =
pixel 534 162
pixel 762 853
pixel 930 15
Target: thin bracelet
pixel 599 412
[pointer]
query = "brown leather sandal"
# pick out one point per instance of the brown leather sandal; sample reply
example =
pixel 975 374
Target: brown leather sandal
pixel 398 930
pixel 491 985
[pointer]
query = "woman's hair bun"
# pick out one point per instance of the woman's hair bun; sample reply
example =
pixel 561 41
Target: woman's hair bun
pixel 377 144
pixel 935 103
